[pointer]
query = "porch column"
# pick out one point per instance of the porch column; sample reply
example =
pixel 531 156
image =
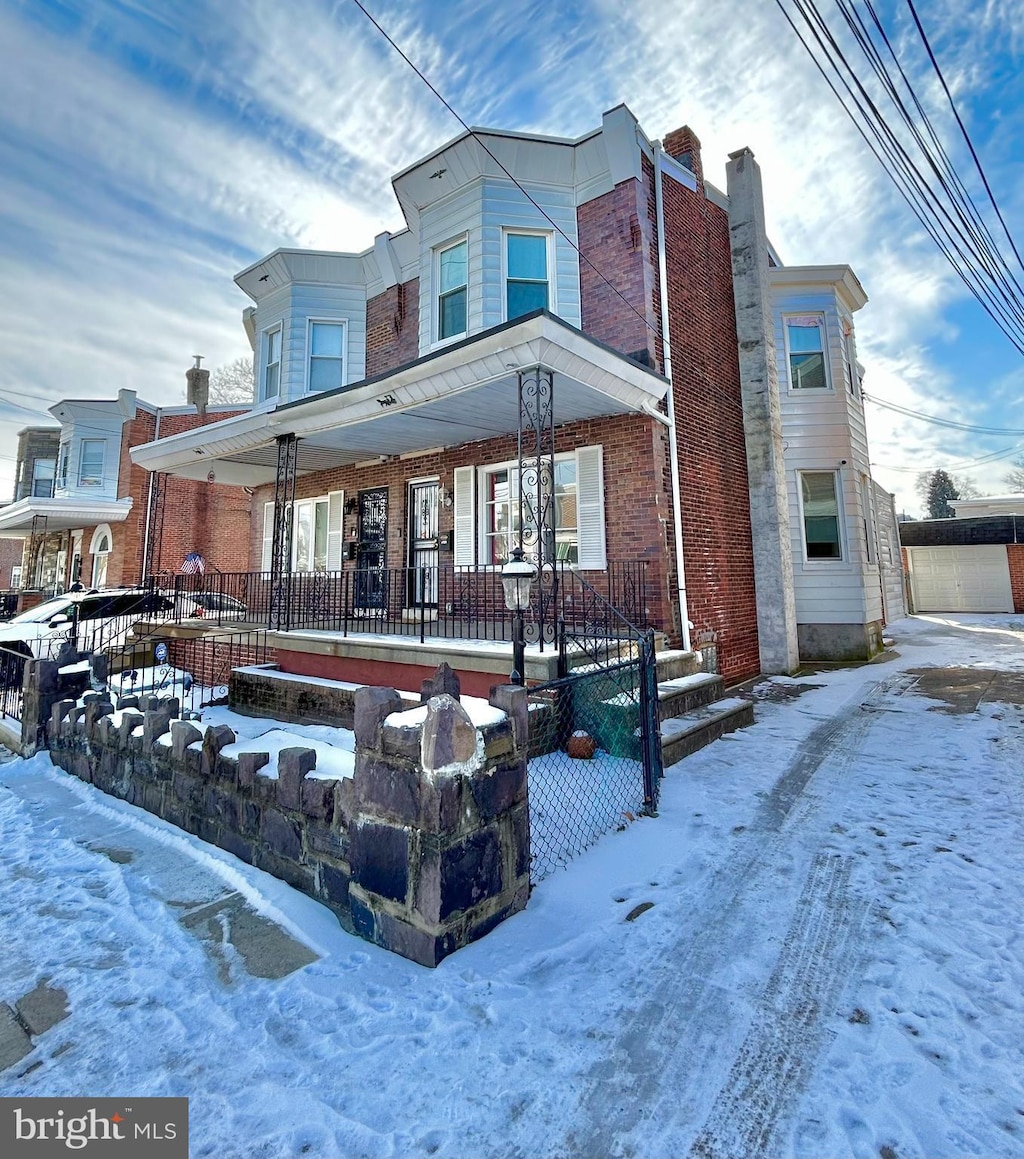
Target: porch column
pixel 36 550
pixel 154 524
pixel 281 544
pixel 536 463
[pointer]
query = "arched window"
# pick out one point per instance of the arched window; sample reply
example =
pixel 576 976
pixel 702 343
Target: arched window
pixel 100 548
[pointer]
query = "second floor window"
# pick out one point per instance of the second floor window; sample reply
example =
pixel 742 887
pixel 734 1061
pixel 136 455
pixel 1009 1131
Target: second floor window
pixel 526 264
pixel 43 471
pixel 272 366
pixel 452 283
pixel 90 469
pixel 326 355
pixel 62 465
pixel 805 339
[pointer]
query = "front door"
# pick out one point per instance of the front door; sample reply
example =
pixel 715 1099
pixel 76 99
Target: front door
pixel 371 551
pixel 423 543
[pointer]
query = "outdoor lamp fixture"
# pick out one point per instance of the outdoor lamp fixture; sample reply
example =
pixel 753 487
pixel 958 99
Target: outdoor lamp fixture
pixel 517 578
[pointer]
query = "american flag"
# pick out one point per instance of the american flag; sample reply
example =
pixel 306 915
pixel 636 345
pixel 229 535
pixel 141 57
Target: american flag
pixel 194 564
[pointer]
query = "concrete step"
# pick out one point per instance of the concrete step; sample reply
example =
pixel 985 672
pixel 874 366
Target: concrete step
pixel 683 735
pixel 674 663
pixel 687 692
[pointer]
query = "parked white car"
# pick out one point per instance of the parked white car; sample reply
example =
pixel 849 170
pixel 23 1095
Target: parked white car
pixel 98 619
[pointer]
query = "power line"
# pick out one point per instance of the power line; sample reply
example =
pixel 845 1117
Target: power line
pixel 1006 453
pixel 968 247
pixel 940 422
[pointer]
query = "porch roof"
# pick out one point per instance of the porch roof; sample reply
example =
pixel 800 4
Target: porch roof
pixel 65 513
pixel 460 394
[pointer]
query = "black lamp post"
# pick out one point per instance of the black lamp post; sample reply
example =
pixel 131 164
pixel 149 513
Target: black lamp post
pixel 517 578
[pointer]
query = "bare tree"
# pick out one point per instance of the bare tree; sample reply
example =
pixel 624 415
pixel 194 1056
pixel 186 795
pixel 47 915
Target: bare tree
pixel 234 382
pixel 967 487
pixel 1014 478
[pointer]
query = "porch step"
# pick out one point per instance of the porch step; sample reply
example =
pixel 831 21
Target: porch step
pixel 685 734
pixel 687 692
pixel 674 663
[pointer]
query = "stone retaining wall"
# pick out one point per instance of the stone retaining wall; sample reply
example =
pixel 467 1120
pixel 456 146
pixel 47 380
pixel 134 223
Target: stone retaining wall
pixel 423 850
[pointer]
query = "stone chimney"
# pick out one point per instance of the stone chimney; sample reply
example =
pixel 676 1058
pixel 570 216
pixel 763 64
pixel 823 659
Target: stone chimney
pixel 684 145
pixel 197 389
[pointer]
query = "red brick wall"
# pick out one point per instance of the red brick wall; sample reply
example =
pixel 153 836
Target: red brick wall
pixel 616 237
pixel 1015 555
pixel 715 499
pixel 392 328
pixel 636 499
pixel 198 516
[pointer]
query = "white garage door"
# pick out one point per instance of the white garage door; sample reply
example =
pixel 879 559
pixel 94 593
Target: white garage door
pixel 960 579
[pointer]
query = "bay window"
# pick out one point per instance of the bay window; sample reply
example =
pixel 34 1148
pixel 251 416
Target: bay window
pixel 90 464
pixel 326 355
pixel 452 292
pixel 805 345
pixel 271 385
pixel 526 268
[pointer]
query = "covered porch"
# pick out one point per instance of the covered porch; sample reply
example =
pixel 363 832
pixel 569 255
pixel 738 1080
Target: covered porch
pixel 383 513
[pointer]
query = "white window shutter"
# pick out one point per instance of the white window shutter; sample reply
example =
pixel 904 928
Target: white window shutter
pixel 335 515
pixel 268 536
pixel 590 508
pixel 465 516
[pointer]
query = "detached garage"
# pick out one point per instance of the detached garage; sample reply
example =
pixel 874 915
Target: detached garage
pixel 965 565
pixel 959 579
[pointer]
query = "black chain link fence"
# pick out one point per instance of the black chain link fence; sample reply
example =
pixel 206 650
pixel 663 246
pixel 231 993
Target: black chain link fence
pixel 586 770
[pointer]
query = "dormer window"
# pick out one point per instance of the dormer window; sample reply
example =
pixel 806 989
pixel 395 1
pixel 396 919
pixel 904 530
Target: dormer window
pixel 452 283
pixel 271 363
pixel 326 355
pixel 526 266
pixel 90 468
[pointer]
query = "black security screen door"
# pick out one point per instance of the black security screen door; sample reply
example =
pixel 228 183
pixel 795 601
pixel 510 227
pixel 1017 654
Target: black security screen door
pixel 371 554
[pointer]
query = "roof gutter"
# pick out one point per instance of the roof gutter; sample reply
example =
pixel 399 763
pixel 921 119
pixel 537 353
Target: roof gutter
pixel 670 418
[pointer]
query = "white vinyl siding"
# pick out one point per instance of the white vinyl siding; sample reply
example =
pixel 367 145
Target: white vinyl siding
pixel 484 212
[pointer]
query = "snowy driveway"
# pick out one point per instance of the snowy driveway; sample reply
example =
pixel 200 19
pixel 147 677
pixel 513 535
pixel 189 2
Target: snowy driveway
pixel 832 965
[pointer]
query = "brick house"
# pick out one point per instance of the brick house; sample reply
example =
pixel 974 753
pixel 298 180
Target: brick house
pixel 622 291
pixel 93 517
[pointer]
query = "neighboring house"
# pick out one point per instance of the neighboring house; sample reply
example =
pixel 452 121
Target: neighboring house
pixel 972 563
pixel 96 521
pixel 383 440
pixel 846 562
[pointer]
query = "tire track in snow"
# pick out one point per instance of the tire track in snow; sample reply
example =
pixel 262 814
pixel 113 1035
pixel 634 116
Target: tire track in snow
pixel 775 1060
pixel 672 1039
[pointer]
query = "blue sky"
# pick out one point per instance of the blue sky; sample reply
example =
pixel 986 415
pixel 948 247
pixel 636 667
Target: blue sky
pixel 150 149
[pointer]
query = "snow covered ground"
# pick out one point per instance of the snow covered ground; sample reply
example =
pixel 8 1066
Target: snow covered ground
pixel 832 964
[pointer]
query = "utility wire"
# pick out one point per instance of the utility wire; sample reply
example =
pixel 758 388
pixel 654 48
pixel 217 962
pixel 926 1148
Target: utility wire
pixel 997 298
pixel 963 129
pixel 940 422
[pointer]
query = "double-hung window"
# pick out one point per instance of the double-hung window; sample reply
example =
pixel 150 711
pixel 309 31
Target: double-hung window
pixel 43 471
pixel 62 464
pixel 805 343
pixel 452 290
pixel 492 516
pixel 526 269
pixel 90 465
pixel 326 355
pixel 271 364
pixel 820 501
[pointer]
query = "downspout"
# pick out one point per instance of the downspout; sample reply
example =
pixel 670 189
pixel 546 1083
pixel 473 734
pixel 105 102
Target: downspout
pixel 149 504
pixel 673 450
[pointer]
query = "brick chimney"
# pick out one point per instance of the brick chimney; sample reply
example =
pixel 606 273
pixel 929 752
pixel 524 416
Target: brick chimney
pixel 197 388
pixel 684 145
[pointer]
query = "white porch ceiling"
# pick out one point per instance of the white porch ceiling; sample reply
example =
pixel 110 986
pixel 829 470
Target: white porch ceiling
pixel 461 394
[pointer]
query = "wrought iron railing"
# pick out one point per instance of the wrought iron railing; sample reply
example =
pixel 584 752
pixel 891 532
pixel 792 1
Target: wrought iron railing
pixel 445 601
